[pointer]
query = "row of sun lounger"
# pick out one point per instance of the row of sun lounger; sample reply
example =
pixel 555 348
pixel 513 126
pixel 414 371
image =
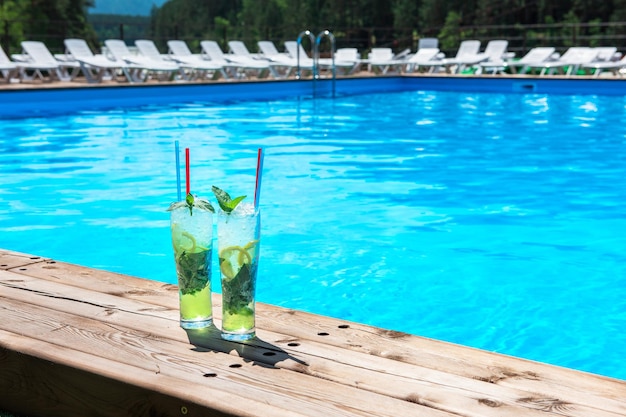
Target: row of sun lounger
pixel 147 62
pixel 36 61
pixel 496 60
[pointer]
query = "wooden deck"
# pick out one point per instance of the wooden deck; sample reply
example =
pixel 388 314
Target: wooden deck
pixel 76 341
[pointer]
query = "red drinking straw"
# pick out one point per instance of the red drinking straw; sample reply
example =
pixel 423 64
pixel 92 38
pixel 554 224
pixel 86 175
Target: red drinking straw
pixel 259 172
pixel 187 168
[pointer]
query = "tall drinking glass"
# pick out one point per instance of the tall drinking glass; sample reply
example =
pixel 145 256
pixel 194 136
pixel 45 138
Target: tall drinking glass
pixel 192 234
pixel 238 240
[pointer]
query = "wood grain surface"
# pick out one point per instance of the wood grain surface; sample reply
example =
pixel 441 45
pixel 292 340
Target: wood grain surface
pixel 76 341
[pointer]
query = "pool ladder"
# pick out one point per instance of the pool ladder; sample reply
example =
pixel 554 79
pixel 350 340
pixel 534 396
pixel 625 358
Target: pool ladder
pixel 315 45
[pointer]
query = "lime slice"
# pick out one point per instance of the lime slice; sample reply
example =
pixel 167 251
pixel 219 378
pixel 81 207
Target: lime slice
pixel 182 240
pixel 232 259
pixel 250 248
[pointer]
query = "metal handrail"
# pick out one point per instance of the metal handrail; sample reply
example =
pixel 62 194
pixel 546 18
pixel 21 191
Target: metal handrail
pixel 316 55
pixel 299 42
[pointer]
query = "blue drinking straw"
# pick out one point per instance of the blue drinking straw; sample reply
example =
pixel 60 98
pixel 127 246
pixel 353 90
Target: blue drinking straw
pixel 259 173
pixel 178 171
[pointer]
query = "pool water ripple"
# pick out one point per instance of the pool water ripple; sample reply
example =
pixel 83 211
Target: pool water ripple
pixel 490 220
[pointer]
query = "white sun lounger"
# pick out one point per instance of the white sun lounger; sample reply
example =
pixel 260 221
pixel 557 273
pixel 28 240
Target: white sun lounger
pixel 180 52
pixel 192 69
pixel 569 62
pixel 147 67
pixel 467 52
pixel 349 55
pixel 95 68
pixel 598 67
pixel 297 52
pixel 493 58
pixel 239 49
pixel 269 51
pixel 238 52
pixel 239 67
pixel 343 65
pixel 607 53
pixel 427 43
pixel 469 55
pixel 281 59
pixel 8 69
pixel 384 61
pixel 38 61
pixel 533 58
pixel 423 58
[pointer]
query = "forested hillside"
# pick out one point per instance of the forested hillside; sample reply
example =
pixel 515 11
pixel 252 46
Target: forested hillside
pixel 360 23
pixel 397 23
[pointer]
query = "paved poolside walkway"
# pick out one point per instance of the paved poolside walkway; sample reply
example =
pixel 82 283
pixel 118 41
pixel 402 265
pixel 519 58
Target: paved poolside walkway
pixel 80 82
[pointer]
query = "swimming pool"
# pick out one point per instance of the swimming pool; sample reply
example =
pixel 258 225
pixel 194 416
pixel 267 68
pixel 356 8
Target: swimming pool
pixel 487 219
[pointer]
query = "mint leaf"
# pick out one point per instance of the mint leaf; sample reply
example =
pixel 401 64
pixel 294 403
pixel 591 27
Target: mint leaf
pixel 203 204
pixel 176 205
pixel 191 202
pixel 189 199
pixel 193 271
pixel 226 203
pixel 233 203
pixel 238 293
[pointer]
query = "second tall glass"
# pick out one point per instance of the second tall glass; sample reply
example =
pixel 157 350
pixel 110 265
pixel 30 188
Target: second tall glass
pixel 238 241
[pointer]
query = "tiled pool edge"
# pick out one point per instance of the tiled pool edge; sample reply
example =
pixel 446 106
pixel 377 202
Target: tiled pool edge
pixel 51 99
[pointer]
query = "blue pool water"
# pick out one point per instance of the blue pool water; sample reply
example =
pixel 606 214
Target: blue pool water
pixel 490 220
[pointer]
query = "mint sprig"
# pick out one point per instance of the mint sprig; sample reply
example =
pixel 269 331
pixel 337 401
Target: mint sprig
pixel 191 202
pixel 193 271
pixel 226 203
pixel 238 293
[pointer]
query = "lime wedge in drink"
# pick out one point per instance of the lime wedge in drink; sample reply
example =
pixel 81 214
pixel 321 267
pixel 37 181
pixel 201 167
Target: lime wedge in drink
pixel 232 259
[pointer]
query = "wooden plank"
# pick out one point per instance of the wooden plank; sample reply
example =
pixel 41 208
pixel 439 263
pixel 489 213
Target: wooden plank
pixel 437 374
pixel 35 379
pixel 394 378
pixel 10 259
pixel 471 363
pixel 497 369
pixel 103 281
pixel 165 357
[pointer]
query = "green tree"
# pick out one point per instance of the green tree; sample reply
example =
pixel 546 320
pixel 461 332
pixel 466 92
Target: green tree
pixel 12 24
pixel 588 10
pixel 50 21
pixel 406 21
pixel 193 20
pixel 396 23
pixel 571 31
pixel 450 35
pixel 267 23
pixel 54 21
pixel 618 15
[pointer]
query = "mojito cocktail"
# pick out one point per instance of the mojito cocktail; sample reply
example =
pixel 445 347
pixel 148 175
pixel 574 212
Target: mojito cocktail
pixel 238 237
pixel 192 233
